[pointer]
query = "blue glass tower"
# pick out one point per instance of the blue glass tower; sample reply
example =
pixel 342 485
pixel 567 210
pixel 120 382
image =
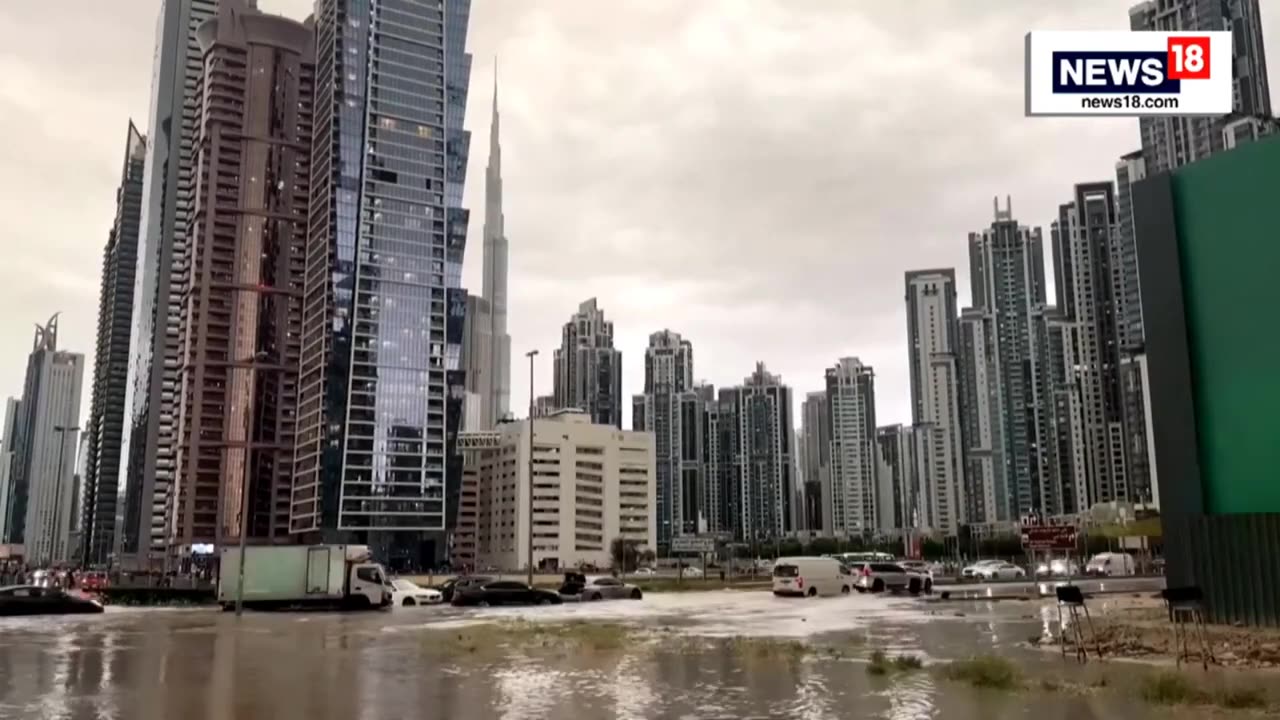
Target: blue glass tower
pixel 381 381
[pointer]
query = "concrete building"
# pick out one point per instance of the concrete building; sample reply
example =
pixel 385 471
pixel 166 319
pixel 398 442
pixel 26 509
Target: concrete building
pixel 382 388
pixel 45 440
pixel 1169 142
pixel 148 444
pixel 1007 281
pixel 935 392
pixel 104 429
pixel 544 405
pixel 984 453
pixel 588 370
pixel 902 478
pixel 496 382
pixel 591 484
pixel 755 456
pixel 815 437
pixel 242 309
pixel 668 374
pixel 1082 240
pixel 852 405
pixel 8 460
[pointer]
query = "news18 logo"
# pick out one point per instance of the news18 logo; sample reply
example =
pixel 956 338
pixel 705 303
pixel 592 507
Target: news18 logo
pixel 1128 73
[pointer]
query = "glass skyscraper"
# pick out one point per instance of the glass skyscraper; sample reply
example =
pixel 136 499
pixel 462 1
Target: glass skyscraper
pixel 381 383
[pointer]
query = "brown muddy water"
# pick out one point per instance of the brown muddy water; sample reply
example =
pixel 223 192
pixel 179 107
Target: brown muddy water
pixel 680 656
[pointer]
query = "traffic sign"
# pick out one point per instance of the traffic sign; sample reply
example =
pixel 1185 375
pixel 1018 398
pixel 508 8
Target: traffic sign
pixel 1049 537
pixel 693 544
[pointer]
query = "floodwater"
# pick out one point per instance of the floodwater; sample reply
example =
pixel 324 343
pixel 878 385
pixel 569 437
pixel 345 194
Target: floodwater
pixel 206 665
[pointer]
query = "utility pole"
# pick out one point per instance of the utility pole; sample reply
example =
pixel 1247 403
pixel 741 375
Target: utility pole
pixel 529 559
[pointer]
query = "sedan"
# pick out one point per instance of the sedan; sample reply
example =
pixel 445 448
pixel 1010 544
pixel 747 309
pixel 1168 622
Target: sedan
pixel 1001 571
pixel 448 589
pixel 504 592
pixel 33 600
pixel 408 594
pixel 974 571
pixel 603 587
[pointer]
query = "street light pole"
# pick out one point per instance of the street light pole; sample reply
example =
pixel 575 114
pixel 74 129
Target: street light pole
pixel 529 558
pixel 61 431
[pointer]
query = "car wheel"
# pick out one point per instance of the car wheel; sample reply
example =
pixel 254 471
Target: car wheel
pixel 408 602
pixel 594 597
pixel 844 589
pixel 914 587
pixel 813 592
pixel 877 586
pixel 636 594
pixel 861 589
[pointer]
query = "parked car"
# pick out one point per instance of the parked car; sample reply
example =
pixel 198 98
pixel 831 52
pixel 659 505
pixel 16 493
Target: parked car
pixel 408 594
pixel 503 592
pixel 35 600
pixel 645 572
pixel 1000 571
pixel 448 589
pixel 1058 567
pixel 971 572
pixel 599 587
pixel 1110 564
pixel 892 576
pixel 810 576
pixel 691 571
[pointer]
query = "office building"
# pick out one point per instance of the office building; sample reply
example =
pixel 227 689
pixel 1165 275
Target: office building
pixel 1168 141
pixel 815 436
pixel 8 460
pixel 104 429
pixel 588 370
pixel 45 439
pixel 1082 240
pixel 591 484
pixel 382 386
pixel 852 406
pixel 242 305
pixel 148 445
pixel 756 456
pixel 935 401
pixel 1007 281
pixel 495 380
pixel 668 374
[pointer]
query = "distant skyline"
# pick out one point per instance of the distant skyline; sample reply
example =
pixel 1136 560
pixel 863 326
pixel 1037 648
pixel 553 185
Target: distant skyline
pixel 743 172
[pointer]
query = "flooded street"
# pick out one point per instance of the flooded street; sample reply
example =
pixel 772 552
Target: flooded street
pixel 682 657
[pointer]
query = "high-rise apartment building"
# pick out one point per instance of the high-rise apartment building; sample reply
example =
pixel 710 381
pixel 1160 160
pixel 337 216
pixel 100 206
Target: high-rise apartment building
pixel 496 376
pixel 242 292
pixel 815 436
pixel 148 444
pixel 980 400
pixel 852 405
pixel 104 429
pixel 935 392
pixel 756 456
pixel 1126 283
pixel 1169 141
pixel 382 386
pixel 45 440
pixel 1006 265
pixel 902 477
pixel 668 374
pixel 588 370
pixel 1083 237
pixel 8 460
pixel 703 461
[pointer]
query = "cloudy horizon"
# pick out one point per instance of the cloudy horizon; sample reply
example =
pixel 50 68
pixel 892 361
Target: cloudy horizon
pixel 756 175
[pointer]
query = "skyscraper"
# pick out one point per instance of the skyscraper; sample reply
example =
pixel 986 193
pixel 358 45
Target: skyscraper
pixel 8 460
pixel 43 492
pixel 902 477
pixel 381 389
pixel 1006 265
pixel 1169 141
pixel 815 434
pixel 703 461
pixel 756 451
pixel 668 374
pixel 1083 237
pixel 588 370
pixel 935 392
pixel 496 379
pixel 851 403
pixel 981 413
pixel 148 444
pixel 241 299
pixel 105 427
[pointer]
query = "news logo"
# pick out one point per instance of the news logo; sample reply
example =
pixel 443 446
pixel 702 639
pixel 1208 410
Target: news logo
pixel 1128 73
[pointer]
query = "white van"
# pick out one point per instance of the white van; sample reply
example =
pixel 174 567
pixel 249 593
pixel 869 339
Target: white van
pixel 810 576
pixel 1110 564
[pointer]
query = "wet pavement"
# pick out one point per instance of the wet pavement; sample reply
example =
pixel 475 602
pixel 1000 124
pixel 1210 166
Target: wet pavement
pixel 1046 588
pixel 206 665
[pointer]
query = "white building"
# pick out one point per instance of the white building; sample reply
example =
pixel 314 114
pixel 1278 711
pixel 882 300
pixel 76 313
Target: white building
pixel 851 399
pixel 591 484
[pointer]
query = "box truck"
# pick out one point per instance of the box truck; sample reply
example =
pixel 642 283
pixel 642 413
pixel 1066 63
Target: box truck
pixel 339 577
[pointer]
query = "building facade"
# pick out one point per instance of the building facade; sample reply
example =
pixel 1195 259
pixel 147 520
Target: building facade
pixel 935 392
pixel 591 484
pixel 495 380
pixel 668 375
pixel 588 370
pixel 46 437
pixel 815 438
pixel 902 482
pixel 755 456
pixel 382 386
pixel 981 427
pixel 8 465
pixel 852 406
pixel 104 429
pixel 148 444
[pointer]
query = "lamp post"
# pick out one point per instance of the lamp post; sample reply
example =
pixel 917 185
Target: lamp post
pixel 529 558
pixel 62 431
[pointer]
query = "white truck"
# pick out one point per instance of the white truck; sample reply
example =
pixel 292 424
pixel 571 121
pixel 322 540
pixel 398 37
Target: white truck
pixel 287 577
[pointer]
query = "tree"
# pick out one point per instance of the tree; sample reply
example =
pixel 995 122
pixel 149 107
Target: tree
pixel 626 554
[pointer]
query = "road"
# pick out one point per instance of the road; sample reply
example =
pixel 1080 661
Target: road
pixel 1040 588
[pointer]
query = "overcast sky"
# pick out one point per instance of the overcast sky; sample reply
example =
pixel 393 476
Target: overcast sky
pixel 754 174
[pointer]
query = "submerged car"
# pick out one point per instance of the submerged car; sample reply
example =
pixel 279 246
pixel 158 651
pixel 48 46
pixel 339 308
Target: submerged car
pixel 597 587
pixel 450 587
pixel 35 600
pixel 504 592
pixel 409 594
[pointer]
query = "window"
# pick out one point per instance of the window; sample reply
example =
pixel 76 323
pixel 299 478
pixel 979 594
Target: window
pixel 505 585
pixel 369 574
pixel 607 582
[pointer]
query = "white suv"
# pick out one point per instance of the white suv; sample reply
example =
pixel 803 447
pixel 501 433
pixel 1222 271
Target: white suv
pixel 880 576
